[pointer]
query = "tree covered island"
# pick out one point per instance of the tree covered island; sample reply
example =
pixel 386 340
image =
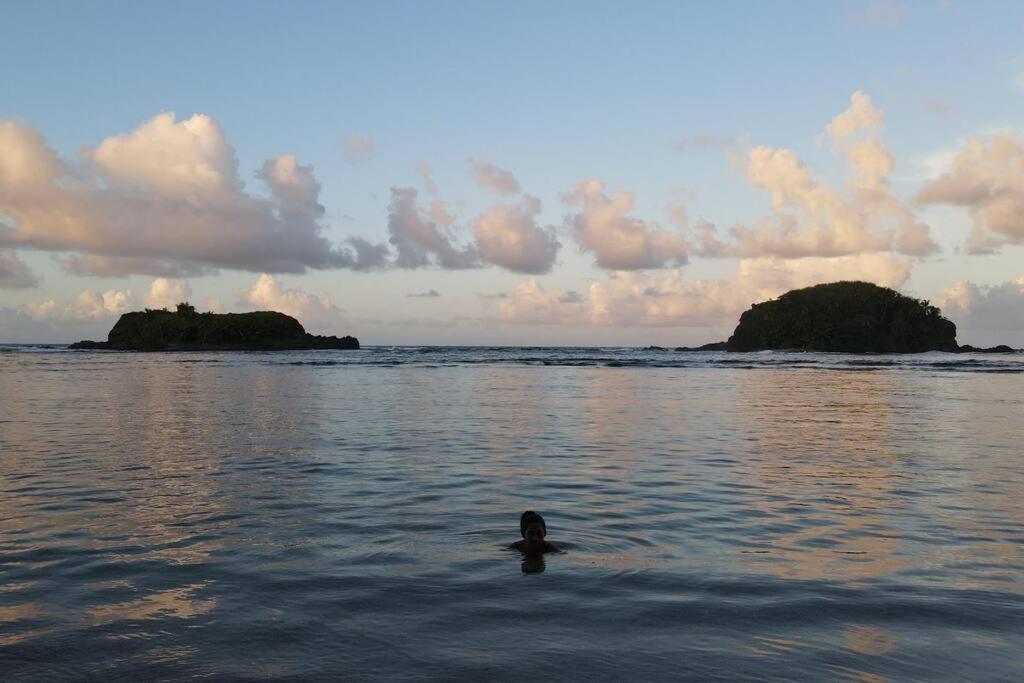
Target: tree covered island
pixel 186 330
pixel 845 317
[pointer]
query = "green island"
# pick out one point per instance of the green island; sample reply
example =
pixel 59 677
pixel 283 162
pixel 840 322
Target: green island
pixel 186 330
pixel 845 317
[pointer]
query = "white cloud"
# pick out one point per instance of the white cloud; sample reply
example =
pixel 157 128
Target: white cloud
pixel 309 309
pixel 358 148
pixel 530 303
pixel 42 310
pixel 769 277
pixel 860 115
pixel 167 293
pixel 15 273
pixel 167 195
pixel 186 158
pixel 987 180
pixel 630 299
pixel 508 235
pixel 418 239
pixel 88 305
pixel 810 218
pixel 619 241
pixel 490 177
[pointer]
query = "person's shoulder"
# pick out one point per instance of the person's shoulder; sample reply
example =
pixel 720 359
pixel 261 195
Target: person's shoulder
pixel 515 545
pixel 550 547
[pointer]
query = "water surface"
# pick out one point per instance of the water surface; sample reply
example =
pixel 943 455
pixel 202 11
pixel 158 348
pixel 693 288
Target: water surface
pixel 343 514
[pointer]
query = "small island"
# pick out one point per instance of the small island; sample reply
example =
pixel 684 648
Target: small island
pixel 844 317
pixel 186 330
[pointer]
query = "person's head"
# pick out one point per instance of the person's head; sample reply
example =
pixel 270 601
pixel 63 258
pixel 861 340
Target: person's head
pixel 532 527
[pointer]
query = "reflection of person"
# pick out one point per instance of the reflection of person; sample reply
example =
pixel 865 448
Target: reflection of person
pixel 533 529
pixel 532 564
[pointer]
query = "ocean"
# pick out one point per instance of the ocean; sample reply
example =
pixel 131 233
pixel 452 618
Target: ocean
pixel 345 515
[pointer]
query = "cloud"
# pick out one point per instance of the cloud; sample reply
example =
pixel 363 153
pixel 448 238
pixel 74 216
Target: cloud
pixel 42 310
pixel 15 273
pixel 508 235
pixel 707 243
pixel 987 180
pixel 17 326
pixel 631 299
pixel 979 308
pixel 636 299
pixel 88 305
pixel 490 177
pixel 811 218
pixel 769 277
pixel 165 195
pixel 619 241
pixel 439 213
pixel 167 293
pixel 429 294
pixel 426 175
pixel 418 240
pixel 368 255
pixel 860 115
pixel 357 148
pixel 91 265
pixel 270 295
pixel 933 164
pixel 530 303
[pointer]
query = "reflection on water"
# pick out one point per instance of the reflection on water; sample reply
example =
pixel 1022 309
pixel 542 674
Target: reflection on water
pixel 869 640
pixel 177 603
pixel 238 516
pixel 532 565
pixel 829 517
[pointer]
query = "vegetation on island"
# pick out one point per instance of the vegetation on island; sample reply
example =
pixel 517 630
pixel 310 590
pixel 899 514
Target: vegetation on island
pixel 852 317
pixel 186 330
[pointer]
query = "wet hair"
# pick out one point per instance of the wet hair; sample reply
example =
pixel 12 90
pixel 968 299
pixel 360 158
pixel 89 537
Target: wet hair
pixel 529 517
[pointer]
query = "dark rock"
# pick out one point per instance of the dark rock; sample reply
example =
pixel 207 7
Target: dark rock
pixel 713 346
pixel 86 344
pixel 851 317
pixel 186 330
pixel 1002 348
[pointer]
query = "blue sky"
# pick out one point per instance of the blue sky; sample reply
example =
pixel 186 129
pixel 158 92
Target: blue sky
pixel 662 100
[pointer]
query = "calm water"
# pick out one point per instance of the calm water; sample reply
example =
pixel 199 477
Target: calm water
pixel 342 514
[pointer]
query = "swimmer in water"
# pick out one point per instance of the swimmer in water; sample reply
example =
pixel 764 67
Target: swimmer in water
pixel 533 529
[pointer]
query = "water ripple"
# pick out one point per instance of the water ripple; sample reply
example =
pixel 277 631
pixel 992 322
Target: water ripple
pixel 345 515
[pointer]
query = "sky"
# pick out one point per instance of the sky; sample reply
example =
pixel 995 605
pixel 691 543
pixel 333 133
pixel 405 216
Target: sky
pixel 507 173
